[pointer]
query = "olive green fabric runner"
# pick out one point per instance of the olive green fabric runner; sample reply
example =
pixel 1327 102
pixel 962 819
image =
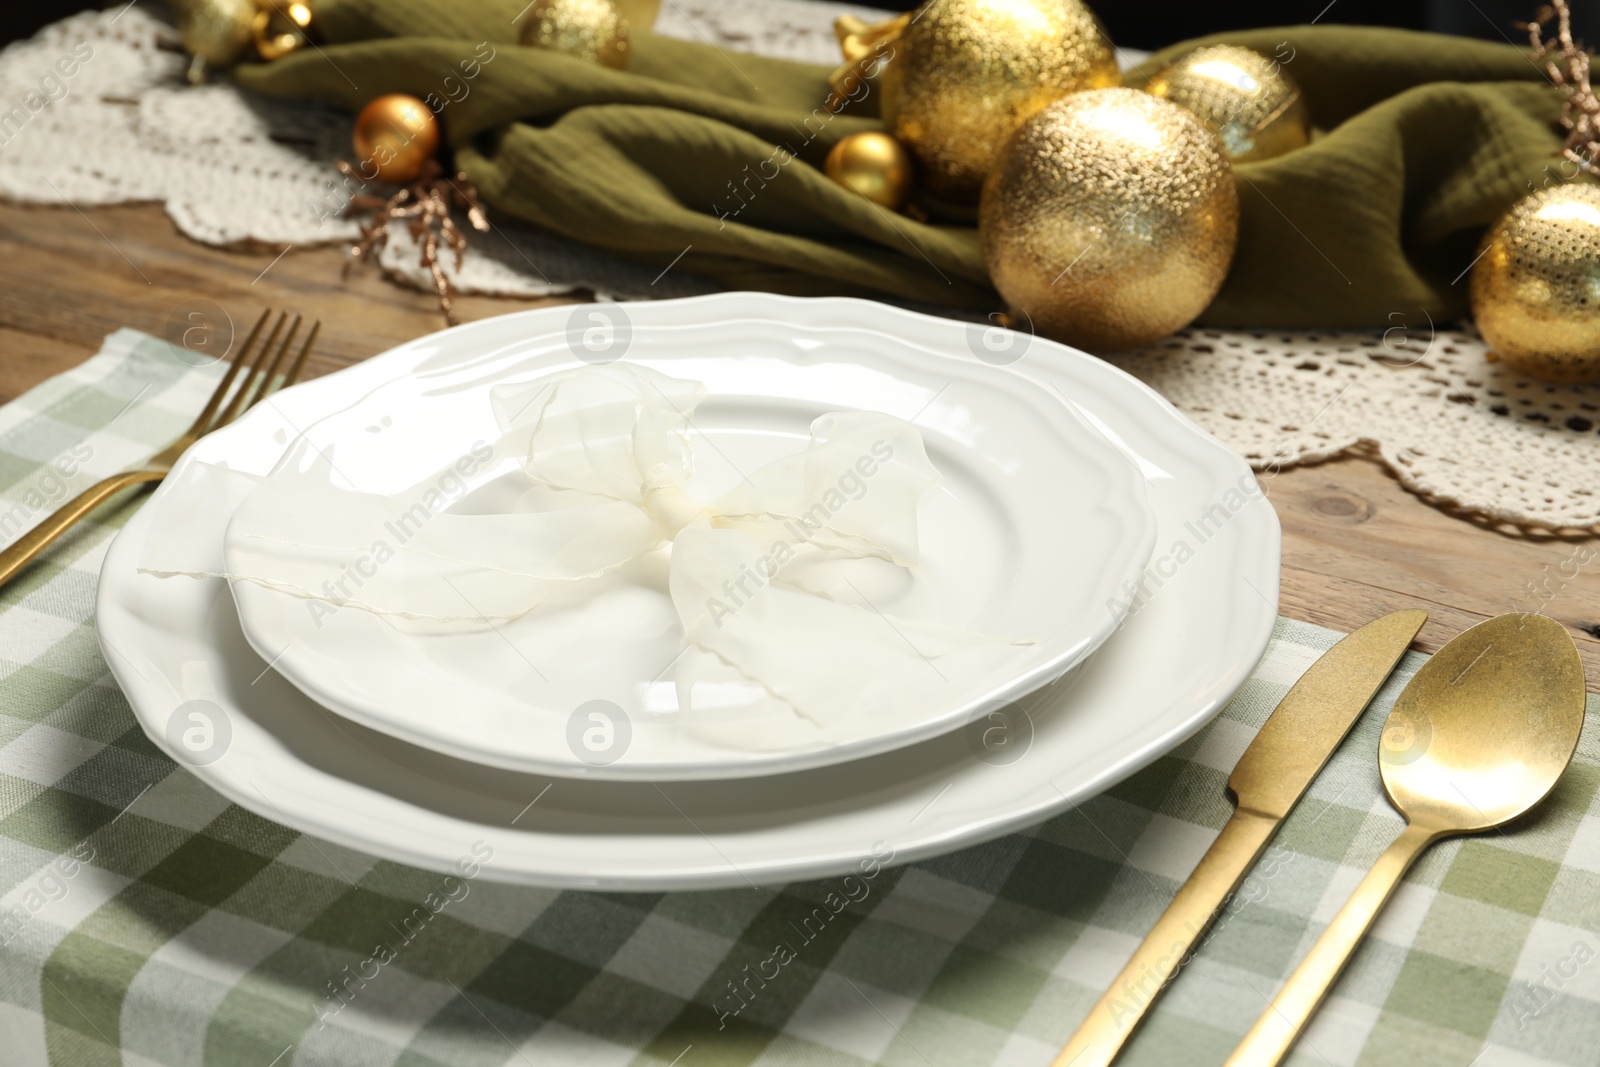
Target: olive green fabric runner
pixel 709 160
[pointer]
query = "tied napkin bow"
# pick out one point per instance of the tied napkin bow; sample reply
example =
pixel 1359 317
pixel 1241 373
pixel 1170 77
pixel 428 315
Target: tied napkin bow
pixel 776 583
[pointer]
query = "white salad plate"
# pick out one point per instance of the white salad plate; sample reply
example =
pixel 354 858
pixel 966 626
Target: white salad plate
pixel 1038 523
pixel 1201 615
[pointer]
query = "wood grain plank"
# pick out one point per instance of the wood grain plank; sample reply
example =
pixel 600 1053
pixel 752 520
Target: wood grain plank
pixel 1357 544
pixel 72 277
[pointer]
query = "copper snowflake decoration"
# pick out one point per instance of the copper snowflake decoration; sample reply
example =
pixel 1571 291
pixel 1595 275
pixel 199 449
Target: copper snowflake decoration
pixel 427 205
pixel 1566 62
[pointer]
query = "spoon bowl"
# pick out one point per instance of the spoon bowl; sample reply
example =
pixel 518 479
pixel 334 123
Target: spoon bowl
pixel 1485 728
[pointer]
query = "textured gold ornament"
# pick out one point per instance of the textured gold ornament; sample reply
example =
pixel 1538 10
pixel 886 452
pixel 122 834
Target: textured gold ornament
pixel 874 165
pixel 281 27
pixel 1110 219
pixel 963 74
pixel 214 32
pixel 589 29
pixel 1250 102
pixel 394 138
pixel 1536 285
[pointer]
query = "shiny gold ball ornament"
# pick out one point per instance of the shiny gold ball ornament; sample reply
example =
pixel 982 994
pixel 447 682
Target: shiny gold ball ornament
pixel 281 27
pixel 214 32
pixel 1110 219
pixel 589 29
pixel 1250 102
pixel 394 136
pixel 874 165
pixel 963 74
pixel 1536 285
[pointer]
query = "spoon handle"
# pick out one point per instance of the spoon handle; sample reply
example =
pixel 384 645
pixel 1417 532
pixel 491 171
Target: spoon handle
pixel 1275 1032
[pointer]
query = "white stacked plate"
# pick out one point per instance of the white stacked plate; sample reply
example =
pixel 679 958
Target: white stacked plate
pixel 1077 507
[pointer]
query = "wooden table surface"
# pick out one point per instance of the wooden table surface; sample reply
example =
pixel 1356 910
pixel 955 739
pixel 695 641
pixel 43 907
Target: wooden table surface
pixel 1356 543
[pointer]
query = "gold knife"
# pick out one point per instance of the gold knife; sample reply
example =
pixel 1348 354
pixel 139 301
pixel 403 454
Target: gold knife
pixel 1280 763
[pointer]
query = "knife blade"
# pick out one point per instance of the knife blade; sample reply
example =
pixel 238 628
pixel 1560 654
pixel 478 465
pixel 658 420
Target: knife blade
pixel 1277 767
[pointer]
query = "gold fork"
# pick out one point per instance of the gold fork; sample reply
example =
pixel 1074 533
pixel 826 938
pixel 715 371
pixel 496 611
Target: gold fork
pixel 225 405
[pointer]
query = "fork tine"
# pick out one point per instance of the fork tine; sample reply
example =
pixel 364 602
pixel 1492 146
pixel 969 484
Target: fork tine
pixel 232 410
pixel 220 393
pixel 292 375
pixel 258 389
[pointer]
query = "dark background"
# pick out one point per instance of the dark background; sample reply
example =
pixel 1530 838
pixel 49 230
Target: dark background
pixel 1149 24
pixel 1163 22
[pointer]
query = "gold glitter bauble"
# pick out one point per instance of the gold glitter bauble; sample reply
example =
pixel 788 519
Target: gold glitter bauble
pixel 281 27
pixel 874 165
pixel 964 74
pixel 1245 97
pixel 216 31
pixel 1110 219
pixel 394 136
pixel 1536 285
pixel 589 29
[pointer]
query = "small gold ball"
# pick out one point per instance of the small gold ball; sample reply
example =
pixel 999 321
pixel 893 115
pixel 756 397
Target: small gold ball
pixel 1536 285
pixel 965 73
pixel 1252 104
pixel 216 31
pixel 874 165
pixel 589 29
pixel 1110 219
pixel 394 136
pixel 281 27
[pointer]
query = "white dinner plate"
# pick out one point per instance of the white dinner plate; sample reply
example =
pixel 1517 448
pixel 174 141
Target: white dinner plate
pixel 1203 612
pixel 1038 523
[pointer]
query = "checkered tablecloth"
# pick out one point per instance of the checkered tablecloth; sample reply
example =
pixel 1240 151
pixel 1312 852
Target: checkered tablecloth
pixel 145 920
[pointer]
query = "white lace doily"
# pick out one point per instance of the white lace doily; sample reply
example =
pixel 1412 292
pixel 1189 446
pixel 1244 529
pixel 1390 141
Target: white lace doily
pixel 238 170
pixel 1455 427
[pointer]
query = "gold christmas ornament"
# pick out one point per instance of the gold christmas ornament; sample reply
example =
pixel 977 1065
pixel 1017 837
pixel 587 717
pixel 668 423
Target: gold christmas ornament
pixel 1110 219
pixel 214 32
pixel 963 74
pixel 874 165
pixel 1536 285
pixel 1254 106
pixel 280 27
pixel 394 137
pixel 589 29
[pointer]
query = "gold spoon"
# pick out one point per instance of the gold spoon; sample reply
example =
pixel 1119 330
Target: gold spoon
pixel 1477 738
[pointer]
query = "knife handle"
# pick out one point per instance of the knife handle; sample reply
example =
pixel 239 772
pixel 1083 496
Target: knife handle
pixel 1166 948
pixel 1270 1039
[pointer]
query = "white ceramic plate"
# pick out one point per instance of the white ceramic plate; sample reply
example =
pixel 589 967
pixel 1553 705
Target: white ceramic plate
pixel 1038 524
pixel 1209 606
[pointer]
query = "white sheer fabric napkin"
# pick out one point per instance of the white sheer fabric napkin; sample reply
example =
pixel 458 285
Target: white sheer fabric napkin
pixel 775 582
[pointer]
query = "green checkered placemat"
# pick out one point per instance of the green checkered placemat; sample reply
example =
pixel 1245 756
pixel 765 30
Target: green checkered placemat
pixel 144 920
